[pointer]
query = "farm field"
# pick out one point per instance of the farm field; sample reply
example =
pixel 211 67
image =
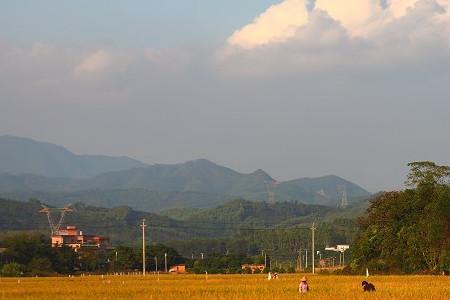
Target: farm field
pixel 222 287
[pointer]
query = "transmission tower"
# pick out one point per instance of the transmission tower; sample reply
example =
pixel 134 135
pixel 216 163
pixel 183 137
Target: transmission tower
pixel 344 199
pixel 49 211
pixel 270 186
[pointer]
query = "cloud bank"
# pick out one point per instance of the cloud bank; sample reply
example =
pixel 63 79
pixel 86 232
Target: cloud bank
pixel 298 92
pixel 361 33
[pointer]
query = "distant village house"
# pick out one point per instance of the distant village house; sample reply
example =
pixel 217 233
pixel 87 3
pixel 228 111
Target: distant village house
pixel 74 238
pixel 179 269
pixel 253 268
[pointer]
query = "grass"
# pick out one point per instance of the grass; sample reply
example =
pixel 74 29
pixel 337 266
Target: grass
pixel 223 287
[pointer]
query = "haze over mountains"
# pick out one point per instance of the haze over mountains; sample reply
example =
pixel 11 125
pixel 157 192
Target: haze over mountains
pixel 30 169
pixel 27 156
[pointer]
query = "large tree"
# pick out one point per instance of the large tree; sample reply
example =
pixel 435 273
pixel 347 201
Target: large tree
pixel 408 231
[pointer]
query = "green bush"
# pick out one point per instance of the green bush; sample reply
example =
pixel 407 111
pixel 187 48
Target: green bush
pixel 12 270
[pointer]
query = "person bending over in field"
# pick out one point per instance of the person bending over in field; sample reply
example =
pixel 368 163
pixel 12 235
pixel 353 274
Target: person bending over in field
pixel 303 287
pixel 367 286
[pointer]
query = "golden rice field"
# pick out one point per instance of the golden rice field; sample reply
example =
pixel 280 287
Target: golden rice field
pixel 223 287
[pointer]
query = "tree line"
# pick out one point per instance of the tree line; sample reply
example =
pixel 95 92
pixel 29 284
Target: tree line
pixel 31 254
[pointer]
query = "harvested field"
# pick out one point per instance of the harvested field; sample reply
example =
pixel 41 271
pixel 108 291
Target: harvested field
pixel 223 287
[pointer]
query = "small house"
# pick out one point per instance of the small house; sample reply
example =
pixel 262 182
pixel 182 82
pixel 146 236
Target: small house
pixel 179 269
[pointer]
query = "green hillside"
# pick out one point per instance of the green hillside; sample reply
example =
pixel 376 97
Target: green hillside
pixel 120 224
pixel 138 199
pixel 195 184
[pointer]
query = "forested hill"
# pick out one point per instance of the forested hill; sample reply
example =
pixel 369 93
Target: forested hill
pixel 121 224
pixel 27 156
pixel 258 214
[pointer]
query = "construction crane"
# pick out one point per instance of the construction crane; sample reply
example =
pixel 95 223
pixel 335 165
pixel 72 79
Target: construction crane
pixel 55 226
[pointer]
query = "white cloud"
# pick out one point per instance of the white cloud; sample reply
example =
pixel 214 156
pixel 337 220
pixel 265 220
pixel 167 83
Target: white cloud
pixel 399 8
pixel 94 63
pixel 356 16
pixel 402 35
pixel 277 24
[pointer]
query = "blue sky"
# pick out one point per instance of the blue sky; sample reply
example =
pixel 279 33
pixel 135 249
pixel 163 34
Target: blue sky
pixel 126 23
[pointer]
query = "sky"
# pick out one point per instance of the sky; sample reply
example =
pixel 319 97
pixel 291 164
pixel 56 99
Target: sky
pixel 355 88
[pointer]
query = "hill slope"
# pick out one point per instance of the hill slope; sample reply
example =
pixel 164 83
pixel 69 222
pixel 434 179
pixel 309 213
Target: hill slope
pixel 30 169
pixel 203 176
pixel 197 184
pixel 121 224
pixel 26 156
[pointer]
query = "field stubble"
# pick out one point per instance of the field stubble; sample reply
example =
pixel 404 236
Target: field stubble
pixel 223 287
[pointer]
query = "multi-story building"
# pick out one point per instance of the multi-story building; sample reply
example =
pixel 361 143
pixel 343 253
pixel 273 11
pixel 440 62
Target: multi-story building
pixel 74 238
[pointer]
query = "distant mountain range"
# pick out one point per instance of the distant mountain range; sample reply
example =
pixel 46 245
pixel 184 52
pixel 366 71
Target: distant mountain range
pixel 124 181
pixel 27 156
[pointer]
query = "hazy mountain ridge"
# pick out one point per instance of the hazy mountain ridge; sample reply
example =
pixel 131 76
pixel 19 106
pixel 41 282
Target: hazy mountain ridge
pixel 199 183
pixel 26 156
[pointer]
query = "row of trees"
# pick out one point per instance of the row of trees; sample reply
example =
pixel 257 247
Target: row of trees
pixel 30 254
pixel 408 231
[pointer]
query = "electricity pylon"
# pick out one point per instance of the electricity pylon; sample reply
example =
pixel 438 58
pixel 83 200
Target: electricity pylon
pixel 54 227
pixel 270 186
pixel 344 198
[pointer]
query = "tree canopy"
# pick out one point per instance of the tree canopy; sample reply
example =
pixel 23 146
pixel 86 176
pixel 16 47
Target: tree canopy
pixel 408 231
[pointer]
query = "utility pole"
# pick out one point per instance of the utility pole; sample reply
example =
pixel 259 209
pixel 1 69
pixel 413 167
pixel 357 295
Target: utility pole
pixel 306 258
pixel 156 264
pixel 265 260
pixel 143 246
pixel 313 228
pixel 165 262
pixel 300 258
pixel 115 262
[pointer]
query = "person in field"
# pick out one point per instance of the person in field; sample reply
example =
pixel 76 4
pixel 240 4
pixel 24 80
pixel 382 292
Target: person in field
pixel 367 286
pixel 303 287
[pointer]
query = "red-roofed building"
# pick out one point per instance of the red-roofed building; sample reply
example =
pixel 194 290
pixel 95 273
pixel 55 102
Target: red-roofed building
pixel 74 238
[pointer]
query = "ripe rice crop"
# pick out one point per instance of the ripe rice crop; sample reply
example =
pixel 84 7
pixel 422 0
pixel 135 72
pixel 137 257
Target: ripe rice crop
pixel 223 287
